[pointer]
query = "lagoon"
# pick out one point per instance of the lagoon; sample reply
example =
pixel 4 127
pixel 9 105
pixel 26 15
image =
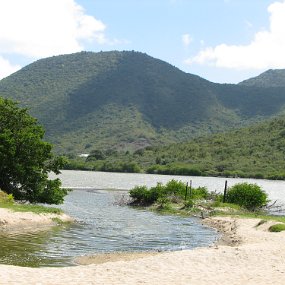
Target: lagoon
pixel 126 181
pixel 103 226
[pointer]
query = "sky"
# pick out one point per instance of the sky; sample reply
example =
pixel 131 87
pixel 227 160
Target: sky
pixel 224 41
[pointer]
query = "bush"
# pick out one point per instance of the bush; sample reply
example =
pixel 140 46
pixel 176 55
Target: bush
pixel 277 228
pixel 174 191
pixel 249 196
pixel 175 188
pixel 188 204
pixel 6 198
pixel 200 193
pixel 164 203
pixel 143 196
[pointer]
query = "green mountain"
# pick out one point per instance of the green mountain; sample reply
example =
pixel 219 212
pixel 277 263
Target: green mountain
pixel 257 151
pixel 129 100
pixel 269 78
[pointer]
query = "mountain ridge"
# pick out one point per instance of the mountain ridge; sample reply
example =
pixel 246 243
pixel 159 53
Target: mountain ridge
pixel 128 100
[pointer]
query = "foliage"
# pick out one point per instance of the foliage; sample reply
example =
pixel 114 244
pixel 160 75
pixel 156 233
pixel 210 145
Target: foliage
pixel 143 196
pixel 249 196
pixel 133 111
pixel 163 203
pixel 26 159
pixel 7 201
pixel 269 78
pixel 6 198
pixel 200 193
pixel 37 209
pixel 174 188
pixel 277 228
pixel 173 191
pixel 255 151
pixel 189 204
pixel 96 155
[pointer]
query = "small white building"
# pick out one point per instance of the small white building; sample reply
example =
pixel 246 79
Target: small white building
pixel 83 155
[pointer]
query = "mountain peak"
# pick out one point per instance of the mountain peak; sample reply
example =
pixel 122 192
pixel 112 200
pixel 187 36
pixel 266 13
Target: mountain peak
pixel 125 99
pixel 269 78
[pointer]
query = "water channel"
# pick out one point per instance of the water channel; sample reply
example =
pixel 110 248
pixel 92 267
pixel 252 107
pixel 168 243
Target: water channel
pixel 103 226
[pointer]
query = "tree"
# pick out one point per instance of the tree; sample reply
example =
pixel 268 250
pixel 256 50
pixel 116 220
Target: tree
pixel 25 159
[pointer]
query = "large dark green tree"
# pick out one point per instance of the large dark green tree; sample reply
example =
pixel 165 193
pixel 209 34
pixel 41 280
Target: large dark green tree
pixel 25 159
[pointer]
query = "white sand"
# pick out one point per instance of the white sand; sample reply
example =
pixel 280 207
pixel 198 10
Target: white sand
pixel 255 256
pixel 10 220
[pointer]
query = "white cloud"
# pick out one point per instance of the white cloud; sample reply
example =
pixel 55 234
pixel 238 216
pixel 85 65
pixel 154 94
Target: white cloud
pixel 186 40
pixel 266 50
pixel 6 68
pixel 40 28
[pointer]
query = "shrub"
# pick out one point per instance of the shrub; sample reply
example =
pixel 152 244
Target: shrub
pixel 96 155
pixel 277 228
pixel 6 198
pixel 138 194
pixel 164 203
pixel 188 204
pixel 174 191
pixel 200 193
pixel 142 196
pixel 174 187
pixel 249 196
pixel 130 167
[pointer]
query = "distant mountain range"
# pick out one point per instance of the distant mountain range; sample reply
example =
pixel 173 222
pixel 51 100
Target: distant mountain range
pixel 129 100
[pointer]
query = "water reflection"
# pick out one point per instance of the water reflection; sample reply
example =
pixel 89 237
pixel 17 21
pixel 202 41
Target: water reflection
pixel 29 248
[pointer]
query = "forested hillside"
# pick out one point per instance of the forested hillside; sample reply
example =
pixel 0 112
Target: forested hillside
pixel 129 100
pixel 269 78
pixel 257 151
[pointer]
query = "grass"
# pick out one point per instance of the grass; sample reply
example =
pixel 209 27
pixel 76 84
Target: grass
pixel 58 221
pixel 277 228
pixel 37 209
pixel 253 215
pixel 7 202
pixel 219 209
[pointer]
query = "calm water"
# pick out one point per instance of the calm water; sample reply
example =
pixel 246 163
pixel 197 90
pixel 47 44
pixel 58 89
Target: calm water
pixel 126 181
pixel 105 227
pixel 101 226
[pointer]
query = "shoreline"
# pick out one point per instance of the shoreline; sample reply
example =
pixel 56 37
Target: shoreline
pixel 26 221
pixel 266 178
pixel 246 254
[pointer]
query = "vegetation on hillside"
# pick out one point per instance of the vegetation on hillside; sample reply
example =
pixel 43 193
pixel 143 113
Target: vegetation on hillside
pixel 269 78
pixel 26 159
pixel 129 100
pixel 257 151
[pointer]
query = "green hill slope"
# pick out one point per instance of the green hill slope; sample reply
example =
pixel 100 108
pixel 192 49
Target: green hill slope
pixel 269 78
pixel 257 151
pixel 129 100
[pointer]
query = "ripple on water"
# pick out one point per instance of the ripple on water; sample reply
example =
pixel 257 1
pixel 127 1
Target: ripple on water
pixel 102 227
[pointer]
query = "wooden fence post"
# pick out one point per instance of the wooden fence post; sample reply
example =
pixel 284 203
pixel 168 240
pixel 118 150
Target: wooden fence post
pixel 225 191
pixel 186 191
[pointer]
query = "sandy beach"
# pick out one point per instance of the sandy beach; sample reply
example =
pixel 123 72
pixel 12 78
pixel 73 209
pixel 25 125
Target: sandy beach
pixel 245 255
pixel 10 220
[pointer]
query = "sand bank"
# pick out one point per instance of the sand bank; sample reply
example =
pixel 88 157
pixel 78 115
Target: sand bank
pixel 247 255
pixel 10 220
